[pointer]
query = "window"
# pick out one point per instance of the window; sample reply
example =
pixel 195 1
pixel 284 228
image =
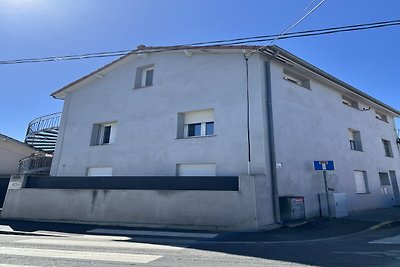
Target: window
pixel 103 134
pixel 355 140
pixel 350 102
pixel 361 181
pixel 196 169
pixel 144 76
pixel 296 79
pixel 385 182
pixel 381 116
pixel 196 123
pixel 99 171
pixel 387 147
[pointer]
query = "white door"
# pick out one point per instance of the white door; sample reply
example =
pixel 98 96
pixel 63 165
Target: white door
pixel 196 169
pixel 100 171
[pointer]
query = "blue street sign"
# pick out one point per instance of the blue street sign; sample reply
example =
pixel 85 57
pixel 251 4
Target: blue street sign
pixel 324 165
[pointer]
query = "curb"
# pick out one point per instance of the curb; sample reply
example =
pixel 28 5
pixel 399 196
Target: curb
pixel 370 229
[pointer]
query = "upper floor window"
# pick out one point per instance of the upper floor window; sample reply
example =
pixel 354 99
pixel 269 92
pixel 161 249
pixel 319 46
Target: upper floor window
pixel 144 76
pixel 381 116
pixel 350 102
pixel 355 140
pixel 296 79
pixel 387 147
pixel 196 123
pixel 103 133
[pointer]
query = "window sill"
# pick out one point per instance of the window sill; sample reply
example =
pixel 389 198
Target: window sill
pixel 98 145
pixel 357 150
pixel 196 137
pixel 367 193
pixel 381 120
pixel 389 156
pixel 142 87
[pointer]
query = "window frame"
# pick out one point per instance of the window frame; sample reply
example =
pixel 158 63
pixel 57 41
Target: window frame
pixel 98 131
pixel 355 140
pixel 297 79
pixel 141 76
pixel 205 124
pixel 387 147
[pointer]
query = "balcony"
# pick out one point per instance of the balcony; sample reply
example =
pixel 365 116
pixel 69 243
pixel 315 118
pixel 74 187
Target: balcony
pixel 42 132
pixel 36 164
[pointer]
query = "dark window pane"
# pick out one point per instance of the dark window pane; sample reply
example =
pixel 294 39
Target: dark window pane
pixel 194 129
pixel 149 77
pixel 106 134
pixel 210 128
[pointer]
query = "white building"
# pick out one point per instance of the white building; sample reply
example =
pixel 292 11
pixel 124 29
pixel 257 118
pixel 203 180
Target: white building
pixel 262 115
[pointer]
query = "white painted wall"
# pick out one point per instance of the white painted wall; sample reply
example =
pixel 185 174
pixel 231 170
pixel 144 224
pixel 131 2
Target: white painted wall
pixel 313 125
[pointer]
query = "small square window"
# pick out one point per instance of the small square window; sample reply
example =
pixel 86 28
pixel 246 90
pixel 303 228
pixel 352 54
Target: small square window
pixel 381 116
pixel 196 123
pixel 350 102
pixel 103 134
pixel 296 79
pixel 144 76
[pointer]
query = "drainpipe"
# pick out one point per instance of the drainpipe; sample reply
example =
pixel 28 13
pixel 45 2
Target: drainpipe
pixel 271 141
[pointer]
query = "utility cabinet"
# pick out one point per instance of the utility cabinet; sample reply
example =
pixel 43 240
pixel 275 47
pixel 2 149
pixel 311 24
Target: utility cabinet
pixel 337 204
pixel 291 208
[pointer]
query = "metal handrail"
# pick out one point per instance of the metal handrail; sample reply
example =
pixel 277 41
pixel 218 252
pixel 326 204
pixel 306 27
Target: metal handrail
pixel 35 163
pixel 50 121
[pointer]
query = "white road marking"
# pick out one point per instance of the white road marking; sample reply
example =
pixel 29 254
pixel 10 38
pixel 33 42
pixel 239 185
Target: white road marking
pixel 102 244
pixel 6 228
pixel 13 265
pixel 151 233
pixel 388 240
pixel 80 255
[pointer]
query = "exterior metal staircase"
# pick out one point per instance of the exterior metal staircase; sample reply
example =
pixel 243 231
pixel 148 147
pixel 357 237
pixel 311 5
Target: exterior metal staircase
pixel 42 132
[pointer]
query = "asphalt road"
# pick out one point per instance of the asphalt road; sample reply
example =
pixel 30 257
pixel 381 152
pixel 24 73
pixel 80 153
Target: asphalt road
pixel 45 248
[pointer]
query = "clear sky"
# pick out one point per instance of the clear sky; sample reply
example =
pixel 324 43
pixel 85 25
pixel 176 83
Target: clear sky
pixel 367 59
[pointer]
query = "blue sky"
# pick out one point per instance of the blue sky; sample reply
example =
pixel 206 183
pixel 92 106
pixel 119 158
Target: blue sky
pixel 367 59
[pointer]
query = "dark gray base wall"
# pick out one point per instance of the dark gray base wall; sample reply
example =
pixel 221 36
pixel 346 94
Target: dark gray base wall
pixel 4 180
pixel 249 209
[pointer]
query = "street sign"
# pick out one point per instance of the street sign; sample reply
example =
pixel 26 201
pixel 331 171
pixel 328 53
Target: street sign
pixel 324 165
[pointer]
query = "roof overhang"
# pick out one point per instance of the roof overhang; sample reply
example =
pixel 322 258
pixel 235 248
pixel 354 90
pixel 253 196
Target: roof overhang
pixel 273 52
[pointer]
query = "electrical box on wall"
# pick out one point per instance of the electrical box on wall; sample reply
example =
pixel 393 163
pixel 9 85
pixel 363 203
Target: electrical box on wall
pixel 337 204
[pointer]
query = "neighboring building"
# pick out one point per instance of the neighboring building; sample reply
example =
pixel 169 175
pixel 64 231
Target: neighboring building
pixel 259 113
pixel 11 152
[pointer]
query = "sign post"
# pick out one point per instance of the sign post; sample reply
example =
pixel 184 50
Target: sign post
pixel 325 165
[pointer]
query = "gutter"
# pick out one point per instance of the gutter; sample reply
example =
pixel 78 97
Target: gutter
pixel 271 142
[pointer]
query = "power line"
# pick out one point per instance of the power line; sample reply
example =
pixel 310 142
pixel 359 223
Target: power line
pixel 298 20
pixel 235 41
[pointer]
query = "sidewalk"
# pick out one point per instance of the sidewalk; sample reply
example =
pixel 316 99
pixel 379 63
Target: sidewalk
pixel 312 230
pixel 323 228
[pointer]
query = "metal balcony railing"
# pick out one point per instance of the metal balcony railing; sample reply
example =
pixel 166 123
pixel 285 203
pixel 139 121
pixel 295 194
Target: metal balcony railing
pixel 35 164
pixel 42 132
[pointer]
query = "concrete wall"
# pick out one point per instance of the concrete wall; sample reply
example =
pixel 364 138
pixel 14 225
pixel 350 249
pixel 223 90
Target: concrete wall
pixel 145 142
pixel 313 125
pixel 214 210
